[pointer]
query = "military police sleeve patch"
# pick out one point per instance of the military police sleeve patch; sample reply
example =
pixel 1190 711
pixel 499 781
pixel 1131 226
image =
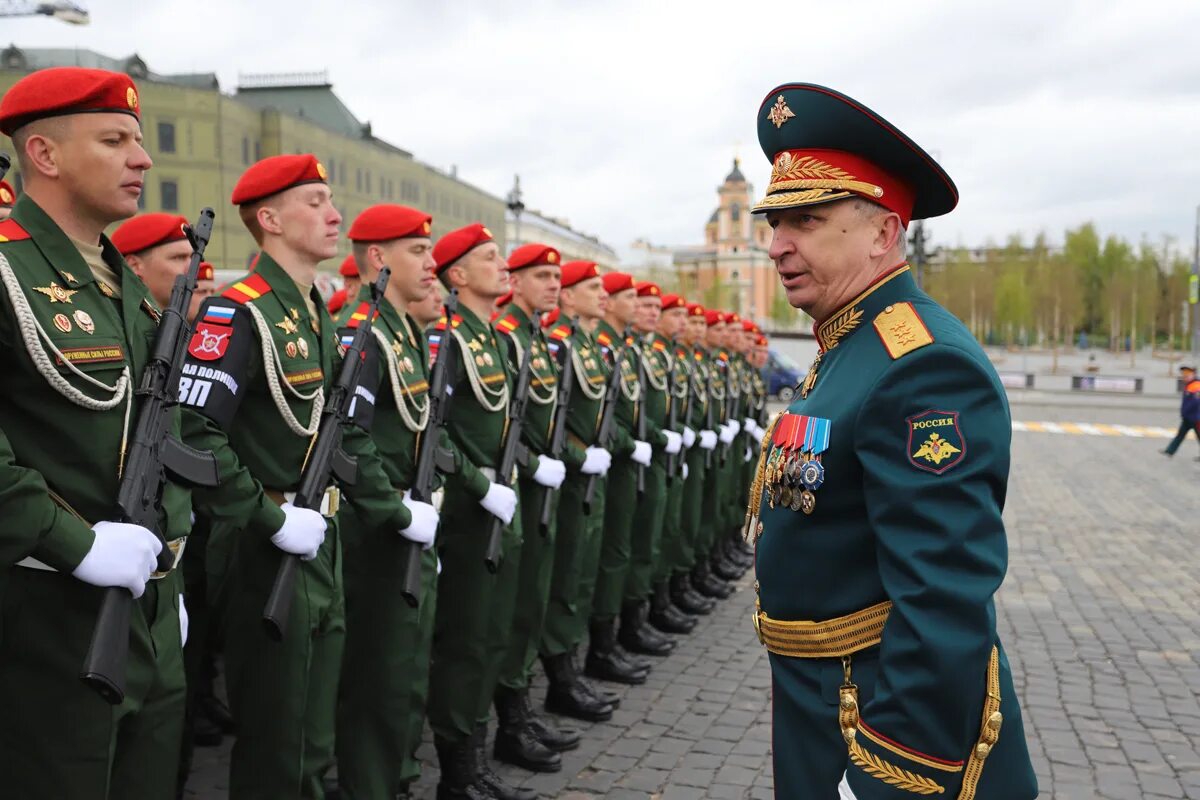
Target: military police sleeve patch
pixel 935 441
pixel 212 334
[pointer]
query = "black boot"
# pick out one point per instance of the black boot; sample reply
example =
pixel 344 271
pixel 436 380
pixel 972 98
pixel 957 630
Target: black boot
pixel 603 695
pixel 602 662
pixel 567 696
pixel 723 567
pixel 626 657
pixel 707 584
pixel 516 742
pixel 489 780
pixel 738 551
pixel 459 776
pixel 560 740
pixel 687 598
pixel 636 634
pixel 665 616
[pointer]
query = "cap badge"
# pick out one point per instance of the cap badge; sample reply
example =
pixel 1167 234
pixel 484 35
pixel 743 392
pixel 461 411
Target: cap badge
pixel 552 258
pixel 321 171
pixel 487 233
pixel 56 293
pixel 5 196
pixel 426 227
pixel 131 98
pixel 780 113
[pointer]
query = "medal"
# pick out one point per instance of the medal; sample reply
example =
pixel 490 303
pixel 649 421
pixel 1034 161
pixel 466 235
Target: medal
pixel 487 359
pixel 84 320
pixel 785 497
pixel 812 475
pixel 796 500
pixel 808 501
pixel 302 346
pixel 62 322
pixel 290 349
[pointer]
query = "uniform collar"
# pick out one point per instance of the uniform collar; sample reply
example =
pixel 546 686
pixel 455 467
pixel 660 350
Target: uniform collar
pixel 887 288
pixel 60 251
pixel 285 289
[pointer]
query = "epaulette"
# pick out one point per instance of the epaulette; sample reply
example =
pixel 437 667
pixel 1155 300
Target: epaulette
pixel 659 345
pixel 901 329
pixel 603 338
pixel 629 341
pixel 359 315
pixel 561 332
pixel 11 231
pixel 249 288
pixel 508 324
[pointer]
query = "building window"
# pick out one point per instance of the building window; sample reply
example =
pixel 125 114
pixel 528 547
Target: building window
pixel 166 137
pixel 246 150
pixel 257 150
pixel 368 181
pixel 735 212
pixel 358 179
pixel 170 195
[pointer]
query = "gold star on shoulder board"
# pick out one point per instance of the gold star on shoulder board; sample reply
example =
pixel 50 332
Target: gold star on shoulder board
pixel 287 325
pixel 56 293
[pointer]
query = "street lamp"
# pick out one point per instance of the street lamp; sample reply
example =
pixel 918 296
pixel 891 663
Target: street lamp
pixel 516 207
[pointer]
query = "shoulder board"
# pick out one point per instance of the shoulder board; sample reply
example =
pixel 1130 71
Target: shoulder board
pixel 441 323
pixel 901 329
pixel 629 341
pixel 723 357
pixel 360 314
pixel 659 345
pixel 681 352
pixel 603 338
pixel 11 231
pixel 508 324
pixel 561 332
pixel 249 288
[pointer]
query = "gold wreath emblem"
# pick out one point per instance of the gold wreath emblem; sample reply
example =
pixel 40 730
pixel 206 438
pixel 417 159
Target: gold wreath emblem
pixel 892 775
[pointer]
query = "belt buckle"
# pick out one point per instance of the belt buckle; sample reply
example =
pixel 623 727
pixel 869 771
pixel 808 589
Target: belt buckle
pixel 758 620
pixel 436 499
pixel 333 501
pixel 176 546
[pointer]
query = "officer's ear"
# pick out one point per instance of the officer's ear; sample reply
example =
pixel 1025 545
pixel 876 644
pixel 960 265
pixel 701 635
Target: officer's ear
pixel 268 220
pixel 456 276
pixel 889 235
pixel 136 264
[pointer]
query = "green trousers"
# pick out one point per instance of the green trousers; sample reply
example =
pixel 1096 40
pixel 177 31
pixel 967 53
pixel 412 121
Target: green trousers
pixel 283 694
pixel 475 607
pixel 692 512
pixel 646 533
pixel 385 669
pixel 58 738
pixel 620 503
pixel 671 547
pixel 714 507
pixel 576 557
pixel 533 588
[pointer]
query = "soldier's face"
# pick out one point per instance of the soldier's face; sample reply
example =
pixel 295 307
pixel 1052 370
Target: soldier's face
pixel 485 272
pixel 823 254
pixel 307 221
pixel 351 283
pixel 159 266
pixel 715 336
pixel 622 306
pixel 695 330
pixel 649 309
pixel 672 321
pixel 412 265
pixel 538 286
pixel 204 290
pixel 429 310
pixel 99 160
pixel 587 298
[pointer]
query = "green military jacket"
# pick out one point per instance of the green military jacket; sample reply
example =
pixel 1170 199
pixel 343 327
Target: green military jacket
pixel 631 394
pixel 586 406
pixel 718 383
pixel 62 425
pixel 701 370
pixel 895 459
pixel 656 398
pixel 513 325
pixel 258 371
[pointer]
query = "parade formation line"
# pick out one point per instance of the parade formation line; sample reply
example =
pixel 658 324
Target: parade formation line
pixel 1094 429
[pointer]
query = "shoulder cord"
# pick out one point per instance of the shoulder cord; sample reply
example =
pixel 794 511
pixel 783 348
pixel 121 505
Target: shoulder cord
pixel 634 394
pixel 551 395
pixel 271 356
pixel 490 399
pixel 400 389
pixel 658 384
pixel 681 383
pixel 585 386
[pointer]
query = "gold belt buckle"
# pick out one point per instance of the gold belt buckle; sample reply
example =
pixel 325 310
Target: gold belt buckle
pixel 333 497
pixel 758 622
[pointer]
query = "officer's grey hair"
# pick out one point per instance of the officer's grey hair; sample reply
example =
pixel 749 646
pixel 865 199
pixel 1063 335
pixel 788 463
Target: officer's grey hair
pixel 869 208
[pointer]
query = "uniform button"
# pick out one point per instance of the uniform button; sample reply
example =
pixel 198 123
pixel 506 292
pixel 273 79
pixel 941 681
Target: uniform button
pixel 888 310
pixel 995 721
pixel 982 750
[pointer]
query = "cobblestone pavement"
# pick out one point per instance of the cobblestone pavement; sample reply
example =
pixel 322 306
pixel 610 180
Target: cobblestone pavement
pixel 1100 615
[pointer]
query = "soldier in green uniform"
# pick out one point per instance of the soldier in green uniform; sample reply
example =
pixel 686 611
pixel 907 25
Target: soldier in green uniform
pixel 877 505
pixel 76 328
pixel 261 361
pixel 385 669
pixel 465 661
pixel 579 527
pixel 715 501
pixel 524 739
pixel 730 511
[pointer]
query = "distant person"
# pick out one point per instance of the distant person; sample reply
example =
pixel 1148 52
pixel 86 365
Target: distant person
pixel 428 311
pixel 1189 409
pixel 158 251
pixel 350 286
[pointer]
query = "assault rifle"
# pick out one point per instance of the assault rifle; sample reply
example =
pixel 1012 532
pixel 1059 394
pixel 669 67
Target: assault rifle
pixel 708 412
pixel 512 443
pixel 558 434
pixel 325 459
pixel 608 421
pixel 429 453
pixel 155 456
pixel 641 417
pixel 673 413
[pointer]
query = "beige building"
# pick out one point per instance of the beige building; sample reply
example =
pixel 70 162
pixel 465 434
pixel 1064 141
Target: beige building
pixel 202 139
pixel 533 226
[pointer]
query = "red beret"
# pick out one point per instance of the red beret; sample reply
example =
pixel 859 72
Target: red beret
pixel 206 272
pixel 383 223
pixel 577 271
pixel 349 267
pixel 648 289
pixel 714 317
pixel 549 319
pixel 749 327
pixel 533 255
pixel 695 310
pixel 336 301
pixel 761 341
pixel 273 175
pixel 673 301
pixel 456 244
pixel 618 282
pixel 731 318
pixel 148 230
pixel 503 300
pixel 59 91
pixel 8 195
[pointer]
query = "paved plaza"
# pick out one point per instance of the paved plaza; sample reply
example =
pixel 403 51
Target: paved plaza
pixel 1100 615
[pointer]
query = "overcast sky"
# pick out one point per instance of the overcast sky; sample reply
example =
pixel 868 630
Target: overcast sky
pixel 623 117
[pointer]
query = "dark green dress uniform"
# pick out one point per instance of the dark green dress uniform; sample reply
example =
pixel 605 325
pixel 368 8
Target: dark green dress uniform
pixel 385 669
pixel 258 370
pixel 691 518
pixel 877 506
pixel 672 548
pixel 717 490
pixel 60 462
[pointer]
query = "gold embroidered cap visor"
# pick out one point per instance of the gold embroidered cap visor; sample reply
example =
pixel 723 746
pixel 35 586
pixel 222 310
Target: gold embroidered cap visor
pixel 825 146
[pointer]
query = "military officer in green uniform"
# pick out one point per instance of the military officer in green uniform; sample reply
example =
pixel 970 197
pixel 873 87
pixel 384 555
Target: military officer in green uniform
pixel 579 526
pixel 385 669
pixel 877 504
pixel 76 329
pixel 261 361
pixel 465 662
pixel 524 739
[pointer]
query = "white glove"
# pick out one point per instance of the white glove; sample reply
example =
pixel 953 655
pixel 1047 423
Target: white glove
pixel 748 425
pixel 749 455
pixel 302 532
pixel 596 462
pixel 844 790
pixel 757 431
pixel 685 471
pixel 641 453
pixel 708 440
pixel 122 555
pixel 424 525
pixel 674 442
pixel 727 433
pixel 550 472
pixel 183 622
pixel 735 426
pixel 689 436
pixel 501 502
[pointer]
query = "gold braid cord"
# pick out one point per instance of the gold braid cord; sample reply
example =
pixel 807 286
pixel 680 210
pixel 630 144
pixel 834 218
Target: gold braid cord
pixel 892 775
pixel 750 529
pixel 842 324
pixel 989 729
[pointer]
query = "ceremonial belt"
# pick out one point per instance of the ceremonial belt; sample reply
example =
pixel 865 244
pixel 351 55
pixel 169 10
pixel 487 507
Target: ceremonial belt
pixel 833 638
pixel 490 474
pixel 330 501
